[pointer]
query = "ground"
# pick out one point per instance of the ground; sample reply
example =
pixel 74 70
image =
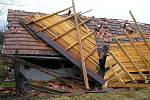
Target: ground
pixel 114 95
pixel 142 94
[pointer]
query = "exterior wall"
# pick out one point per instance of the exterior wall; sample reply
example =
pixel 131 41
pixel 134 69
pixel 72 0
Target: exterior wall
pixel 36 75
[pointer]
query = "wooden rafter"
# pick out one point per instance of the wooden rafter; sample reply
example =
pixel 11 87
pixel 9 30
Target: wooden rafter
pixel 91 52
pixel 122 66
pixel 82 21
pixel 145 41
pixel 45 28
pixel 134 35
pixel 44 17
pixel 133 63
pixel 129 85
pixel 83 38
pixel 138 51
pixel 115 73
pixel 71 30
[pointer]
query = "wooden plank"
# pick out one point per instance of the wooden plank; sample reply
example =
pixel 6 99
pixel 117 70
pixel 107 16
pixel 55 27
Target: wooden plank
pixel 145 41
pixel 138 52
pixel 115 58
pixel 70 30
pixel 125 61
pixel 129 85
pixel 80 48
pixel 115 73
pixel 48 15
pixel 55 24
pixel 128 44
pixel 91 52
pixel 134 35
pixel 134 64
pixel 133 69
pixel 125 78
pixel 75 43
pixel 83 24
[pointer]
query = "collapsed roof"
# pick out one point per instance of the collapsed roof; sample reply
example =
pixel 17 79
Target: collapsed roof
pixel 17 37
pixel 53 36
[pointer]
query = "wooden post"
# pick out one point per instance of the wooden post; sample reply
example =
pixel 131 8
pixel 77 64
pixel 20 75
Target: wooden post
pixel 17 74
pixel 80 47
pixel 140 30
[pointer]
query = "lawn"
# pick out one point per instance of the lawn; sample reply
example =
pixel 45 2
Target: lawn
pixel 114 95
pixel 142 94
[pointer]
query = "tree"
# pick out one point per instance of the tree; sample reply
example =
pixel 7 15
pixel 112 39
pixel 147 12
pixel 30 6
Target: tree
pixel 1 37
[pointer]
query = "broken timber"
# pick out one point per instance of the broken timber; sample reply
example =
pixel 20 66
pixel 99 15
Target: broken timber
pixel 128 60
pixel 61 35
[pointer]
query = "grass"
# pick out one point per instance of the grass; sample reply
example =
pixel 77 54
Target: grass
pixel 143 94
pixel 114 95
pixel 8 84
pixel 2 70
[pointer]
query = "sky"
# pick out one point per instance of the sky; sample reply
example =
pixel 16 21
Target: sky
pixel 116 9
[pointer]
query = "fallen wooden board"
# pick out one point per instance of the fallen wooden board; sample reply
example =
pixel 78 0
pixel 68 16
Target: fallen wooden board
pixel 129 85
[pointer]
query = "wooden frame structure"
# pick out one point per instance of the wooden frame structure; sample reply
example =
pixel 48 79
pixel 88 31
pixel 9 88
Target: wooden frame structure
pixel 128 60
pixel 61 33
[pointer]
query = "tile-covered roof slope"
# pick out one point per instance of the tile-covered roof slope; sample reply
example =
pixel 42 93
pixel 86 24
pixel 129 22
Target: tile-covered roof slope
pixel 115 25
pixel 17 37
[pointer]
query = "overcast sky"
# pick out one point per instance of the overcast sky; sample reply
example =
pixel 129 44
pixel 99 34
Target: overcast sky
pixel 118 9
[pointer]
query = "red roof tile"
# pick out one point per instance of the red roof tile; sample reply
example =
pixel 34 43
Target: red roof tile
pixel 17 37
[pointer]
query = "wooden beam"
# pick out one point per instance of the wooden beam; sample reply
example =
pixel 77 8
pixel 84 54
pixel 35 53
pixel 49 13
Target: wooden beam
pixel 17 73
pixel 55 24
pixel 80 47
pixel 122 66
pixel 91 52
pixel 83 24
pixel 134 35
pixel 48 15
pixel 139 30
pixel 138 51
pixel 71 29
pixel 129 44
pixel 133 63
pixel 115 73
pixel 83 38
pixel 129 85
